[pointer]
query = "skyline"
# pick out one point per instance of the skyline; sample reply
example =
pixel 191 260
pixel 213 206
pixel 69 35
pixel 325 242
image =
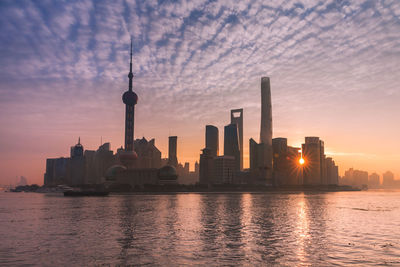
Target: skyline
pixel 65 79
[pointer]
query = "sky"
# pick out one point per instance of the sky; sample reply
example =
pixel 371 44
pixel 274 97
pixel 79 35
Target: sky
pixel 334 68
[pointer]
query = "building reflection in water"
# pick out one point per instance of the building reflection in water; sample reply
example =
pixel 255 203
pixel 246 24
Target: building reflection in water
pixel 241 228
pixel 126 215
pixel 221 231
pixel 316 243
pixel 301 231
pixel 201 229
pixel 265 239
pixel 246 221
pixel 225 231
pixel 187 226
pixel 231 215
pixel 210 225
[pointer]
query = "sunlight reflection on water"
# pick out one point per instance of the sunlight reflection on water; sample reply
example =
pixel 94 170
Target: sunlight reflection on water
pixel 203 229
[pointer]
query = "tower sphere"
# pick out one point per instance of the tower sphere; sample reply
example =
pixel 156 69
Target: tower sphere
pixel 130 98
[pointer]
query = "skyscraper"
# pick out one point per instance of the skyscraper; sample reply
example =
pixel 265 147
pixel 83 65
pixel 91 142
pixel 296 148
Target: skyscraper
pixel 148 154
pixel 280 162
pixel 332 176
pixel 388 179
pixel 172 158
pixel 231 143
pixel 237 118
pixel 206 167
pixel 130 100
pixel 266 112
pixel 312 154
pixel 212 141
pixel 374 180
pixel 322 163
pixel 261 154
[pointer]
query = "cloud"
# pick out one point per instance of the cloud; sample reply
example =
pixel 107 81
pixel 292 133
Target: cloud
pixel 194 60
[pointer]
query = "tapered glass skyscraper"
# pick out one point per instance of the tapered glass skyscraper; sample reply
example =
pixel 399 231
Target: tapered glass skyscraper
pixel 261 154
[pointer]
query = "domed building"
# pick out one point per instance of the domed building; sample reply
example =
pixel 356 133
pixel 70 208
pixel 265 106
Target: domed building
pixel 167 175
pixel 127 157
pixel 113 172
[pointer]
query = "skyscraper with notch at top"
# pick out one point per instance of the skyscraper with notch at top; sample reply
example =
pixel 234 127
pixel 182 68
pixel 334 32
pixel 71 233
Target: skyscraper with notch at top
pixel 237 118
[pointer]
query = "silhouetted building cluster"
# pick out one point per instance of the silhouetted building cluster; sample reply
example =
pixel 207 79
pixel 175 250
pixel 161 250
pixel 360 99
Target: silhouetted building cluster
pixel 272 161
pixel 139 162
pixel 318 170
pixel 361 179
pixel 136 164
pixel 82 167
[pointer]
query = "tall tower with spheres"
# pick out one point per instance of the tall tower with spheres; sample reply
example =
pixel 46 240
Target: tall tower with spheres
pixel 128 156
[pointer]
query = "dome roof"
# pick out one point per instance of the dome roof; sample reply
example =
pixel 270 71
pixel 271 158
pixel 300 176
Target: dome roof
pixel 114 171
pixel 130 98
pixel 127 155
pixel 127 158
pixel 167 172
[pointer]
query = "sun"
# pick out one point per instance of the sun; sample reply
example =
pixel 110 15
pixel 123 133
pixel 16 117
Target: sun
pixel 301 161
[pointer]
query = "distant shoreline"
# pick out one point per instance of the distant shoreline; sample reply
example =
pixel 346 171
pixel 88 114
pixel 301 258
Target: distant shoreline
pixel 155 189
pixel 243 189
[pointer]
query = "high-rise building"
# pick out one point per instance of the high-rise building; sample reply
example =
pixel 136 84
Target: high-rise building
pixel 149 156
pixel 264 161
pixel 312 155
pixel 355 178
pixel 57 171
pixel 360 178
pixel 172 148
pixel 237 118
pixel 97 163
pixel 295 169
pixel 374 180
pixel 231 143
pixel 388 179
pixel 322 159
pixel 335 174
pixel 212 139
pixel 260 156
pixel 332 176
pixel 196 168
pixel 266 112
pixel 77 165
pixel 130 100
pixel 206 167
pixel 49 174
pixel 280 162
pixel 77 150
pixel 186 167
pixel 224 170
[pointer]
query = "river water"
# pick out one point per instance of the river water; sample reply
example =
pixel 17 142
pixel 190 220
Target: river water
pixel 319 229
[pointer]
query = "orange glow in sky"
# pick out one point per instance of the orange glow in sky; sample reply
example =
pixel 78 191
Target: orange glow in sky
pixel 334 75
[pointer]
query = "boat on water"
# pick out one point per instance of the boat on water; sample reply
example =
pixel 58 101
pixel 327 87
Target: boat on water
pixel 89 193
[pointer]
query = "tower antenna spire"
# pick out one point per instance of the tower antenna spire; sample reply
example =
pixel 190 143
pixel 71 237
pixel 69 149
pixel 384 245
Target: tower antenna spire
pixel 130 75
pixel 131 50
